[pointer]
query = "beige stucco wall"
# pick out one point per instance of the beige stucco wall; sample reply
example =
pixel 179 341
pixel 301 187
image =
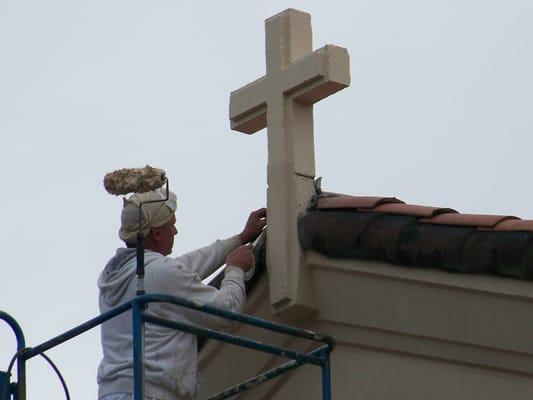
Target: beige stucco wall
pixel 402 334
pixel 360 373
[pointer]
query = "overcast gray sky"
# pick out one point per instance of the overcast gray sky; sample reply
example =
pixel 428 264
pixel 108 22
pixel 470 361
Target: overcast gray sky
pixel 439 113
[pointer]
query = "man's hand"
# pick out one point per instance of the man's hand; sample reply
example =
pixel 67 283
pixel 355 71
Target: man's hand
pixel 255 224
pixel 242 257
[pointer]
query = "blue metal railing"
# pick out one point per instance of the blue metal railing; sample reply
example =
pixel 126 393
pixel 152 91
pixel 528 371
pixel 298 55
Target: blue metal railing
pixel 319 356
pixel 5 386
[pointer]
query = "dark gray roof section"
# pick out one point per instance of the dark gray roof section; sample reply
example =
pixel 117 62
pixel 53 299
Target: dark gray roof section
pixel 387 229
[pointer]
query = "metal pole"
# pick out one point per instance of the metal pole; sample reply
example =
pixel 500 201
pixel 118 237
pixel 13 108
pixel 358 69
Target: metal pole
pixel 140 261
pixel 138 352
pixel 19 389
pixel 326 375
pixel 140 242
pixel 265 376
pixel 34 351
pixel 236 340
pixel 5 386
pixel 247 319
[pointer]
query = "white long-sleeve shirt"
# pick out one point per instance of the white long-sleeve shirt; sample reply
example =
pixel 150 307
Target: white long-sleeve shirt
pixel 170 355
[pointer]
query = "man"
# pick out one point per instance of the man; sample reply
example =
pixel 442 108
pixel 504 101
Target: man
pixel 170 355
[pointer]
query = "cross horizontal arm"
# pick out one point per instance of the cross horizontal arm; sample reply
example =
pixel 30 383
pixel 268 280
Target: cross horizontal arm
pixel 308 80
pixel 318 75
pixel 248 107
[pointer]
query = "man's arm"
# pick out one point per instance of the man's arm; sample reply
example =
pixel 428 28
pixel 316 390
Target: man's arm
pixel 231 297
pixel 206 260
pixel 179 280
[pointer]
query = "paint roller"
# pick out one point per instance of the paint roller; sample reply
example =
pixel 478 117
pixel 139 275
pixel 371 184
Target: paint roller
pixel 134 180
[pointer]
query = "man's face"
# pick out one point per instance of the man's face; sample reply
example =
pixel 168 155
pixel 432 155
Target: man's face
pixel 166 236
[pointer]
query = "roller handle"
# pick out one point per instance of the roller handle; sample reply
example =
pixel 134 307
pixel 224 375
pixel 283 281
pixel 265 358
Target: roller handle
pixel 140 264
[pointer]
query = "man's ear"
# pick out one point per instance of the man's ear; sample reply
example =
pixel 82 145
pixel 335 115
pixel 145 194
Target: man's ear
pixel 156 234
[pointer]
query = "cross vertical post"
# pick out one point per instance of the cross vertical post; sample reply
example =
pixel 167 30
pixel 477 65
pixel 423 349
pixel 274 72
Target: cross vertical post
pixel 283 101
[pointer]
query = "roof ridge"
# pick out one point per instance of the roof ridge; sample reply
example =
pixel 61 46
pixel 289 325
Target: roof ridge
pixel 425 214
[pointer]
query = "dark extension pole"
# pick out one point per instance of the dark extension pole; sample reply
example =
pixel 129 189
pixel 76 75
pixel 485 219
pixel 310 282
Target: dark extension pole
pixel 140 242
pixel 140 264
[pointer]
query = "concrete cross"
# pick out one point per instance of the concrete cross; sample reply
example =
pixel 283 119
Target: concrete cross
pixel 282 100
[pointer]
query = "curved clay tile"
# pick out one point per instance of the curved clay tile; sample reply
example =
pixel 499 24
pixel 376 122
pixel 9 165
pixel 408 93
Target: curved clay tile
pixel 514 225
pixel 412 210
pixel 474 220
pixel 367 202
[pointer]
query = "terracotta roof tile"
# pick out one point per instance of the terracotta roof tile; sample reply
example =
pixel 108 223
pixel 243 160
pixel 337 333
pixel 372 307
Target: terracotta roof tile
pixel 474 220
pixel 412 210
pixel 514 225
pixel 369 202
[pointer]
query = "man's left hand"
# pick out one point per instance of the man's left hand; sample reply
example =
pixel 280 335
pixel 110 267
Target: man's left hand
pixel 254 226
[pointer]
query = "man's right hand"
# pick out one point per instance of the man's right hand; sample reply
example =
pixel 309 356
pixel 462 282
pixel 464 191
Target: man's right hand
pixel 242 257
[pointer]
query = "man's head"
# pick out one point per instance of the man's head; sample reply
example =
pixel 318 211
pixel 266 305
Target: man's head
pixel 157 221
pixel 161 238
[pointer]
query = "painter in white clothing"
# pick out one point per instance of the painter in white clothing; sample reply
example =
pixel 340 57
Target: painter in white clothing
pixel 170 356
